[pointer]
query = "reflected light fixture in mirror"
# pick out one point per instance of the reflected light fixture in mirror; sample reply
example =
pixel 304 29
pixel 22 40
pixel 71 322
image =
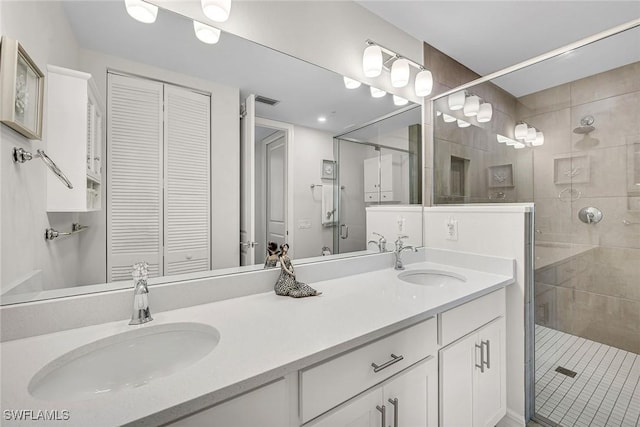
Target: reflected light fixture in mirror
pixel 372 61
pixel 471 106
pixel 377 93
pixel 447 118
pixel 485 113
pixel 463 124
pixel 456 100
pixel 424 83
pixel 399 101
pixel 539 139
pixel 216 10
pixel 350 83
pixel 520 131
pixel 206 33
pixel 141 11
pixel 400 73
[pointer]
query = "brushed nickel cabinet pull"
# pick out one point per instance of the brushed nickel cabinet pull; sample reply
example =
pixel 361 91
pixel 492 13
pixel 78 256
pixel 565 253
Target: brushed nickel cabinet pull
pixel 383 414
pixel 481 365
pixel 394 359
pixel 488 361
pixel 394 402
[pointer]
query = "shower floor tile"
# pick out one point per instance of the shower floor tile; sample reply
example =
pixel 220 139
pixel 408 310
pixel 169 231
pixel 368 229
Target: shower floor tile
pixel 605 391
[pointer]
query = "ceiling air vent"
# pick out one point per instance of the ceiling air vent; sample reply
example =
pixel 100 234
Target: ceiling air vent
pixel 265 100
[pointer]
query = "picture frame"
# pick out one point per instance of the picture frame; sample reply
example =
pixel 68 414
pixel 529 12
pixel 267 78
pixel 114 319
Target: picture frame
pixel 571 169
pixel 21 90
pixel 328 169
pixel 501 176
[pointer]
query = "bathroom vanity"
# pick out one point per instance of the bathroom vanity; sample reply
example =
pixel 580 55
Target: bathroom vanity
pixel 374 349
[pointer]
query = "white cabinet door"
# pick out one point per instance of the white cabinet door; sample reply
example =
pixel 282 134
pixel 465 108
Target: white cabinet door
pixel 457 365
pixel 489 405
pixel 371 179
pixel 267 406
pixel 386 172
pixel 412 398
pixel 360 412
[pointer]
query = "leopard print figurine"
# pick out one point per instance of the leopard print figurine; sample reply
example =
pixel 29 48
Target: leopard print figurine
pixel 287 283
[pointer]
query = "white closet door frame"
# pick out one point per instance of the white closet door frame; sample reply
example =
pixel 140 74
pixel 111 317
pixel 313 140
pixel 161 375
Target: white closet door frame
pixel 287 128
pixel 131 258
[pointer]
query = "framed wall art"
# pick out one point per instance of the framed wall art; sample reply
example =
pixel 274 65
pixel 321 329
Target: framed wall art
pixel 21 90
pixel 501 176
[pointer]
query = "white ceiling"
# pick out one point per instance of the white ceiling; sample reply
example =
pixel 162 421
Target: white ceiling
pixel 487 36
pixel 305 91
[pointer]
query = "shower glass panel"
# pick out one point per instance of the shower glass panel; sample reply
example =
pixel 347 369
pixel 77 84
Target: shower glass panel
pixel 378 164
pixel 584 182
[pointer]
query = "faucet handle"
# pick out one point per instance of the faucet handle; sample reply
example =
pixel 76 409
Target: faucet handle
pixel 400 237
pixel 140 271
pixel 379 235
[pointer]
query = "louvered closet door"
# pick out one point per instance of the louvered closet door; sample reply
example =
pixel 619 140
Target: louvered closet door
pixel 187 190
pixel 134 192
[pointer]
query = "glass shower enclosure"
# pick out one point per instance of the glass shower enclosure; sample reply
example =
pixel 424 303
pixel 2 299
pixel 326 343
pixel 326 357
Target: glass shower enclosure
pixel 578 161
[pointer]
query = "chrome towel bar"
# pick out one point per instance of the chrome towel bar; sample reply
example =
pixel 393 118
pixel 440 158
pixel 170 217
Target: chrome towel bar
pixel 50 233
pixel 20 155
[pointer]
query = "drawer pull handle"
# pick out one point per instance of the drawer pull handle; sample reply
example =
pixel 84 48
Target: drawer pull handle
pixel 481 365
pixel 394 402
pixel 383 414
pixel 394 359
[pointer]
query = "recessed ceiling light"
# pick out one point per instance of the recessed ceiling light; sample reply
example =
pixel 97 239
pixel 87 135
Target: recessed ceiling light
pixel 322 119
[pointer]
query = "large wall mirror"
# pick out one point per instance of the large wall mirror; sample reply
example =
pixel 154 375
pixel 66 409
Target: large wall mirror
pixel 203 138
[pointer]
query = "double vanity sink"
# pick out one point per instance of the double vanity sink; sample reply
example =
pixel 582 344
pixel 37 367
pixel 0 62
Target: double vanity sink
pixel 192 358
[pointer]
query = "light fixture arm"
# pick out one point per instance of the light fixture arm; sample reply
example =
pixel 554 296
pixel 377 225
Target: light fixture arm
pixel 395 56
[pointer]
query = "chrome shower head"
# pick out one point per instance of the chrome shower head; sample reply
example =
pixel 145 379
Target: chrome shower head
pixel 585 126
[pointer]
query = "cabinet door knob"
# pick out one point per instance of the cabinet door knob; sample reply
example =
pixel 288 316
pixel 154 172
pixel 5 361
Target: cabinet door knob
pixel 394 402
pixel 383 414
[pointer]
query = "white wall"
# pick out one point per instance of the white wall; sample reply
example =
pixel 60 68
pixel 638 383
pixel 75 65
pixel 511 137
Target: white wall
pixel 310 147
pixel 225 157
pixel 330 34
pixel 394 221
pixel 42 29
pixel 494 231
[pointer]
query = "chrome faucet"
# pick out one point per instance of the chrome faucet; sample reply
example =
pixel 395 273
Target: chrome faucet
pixel 141 313
pixel 400 246
pixel 381 243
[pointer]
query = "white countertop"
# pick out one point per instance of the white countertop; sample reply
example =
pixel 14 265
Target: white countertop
pixel 262 338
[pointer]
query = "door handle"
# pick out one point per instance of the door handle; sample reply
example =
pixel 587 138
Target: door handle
pixel 394 402
pixel 248 244
pixel 383 415
pixel 481 365
pixel 344 231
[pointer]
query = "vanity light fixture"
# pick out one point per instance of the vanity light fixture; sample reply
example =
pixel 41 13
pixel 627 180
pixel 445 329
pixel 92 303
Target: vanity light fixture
pixel 400 72
pixel 372 61
pixel 539 139
pixel 520 131
pixel 485 113
pixel 424 83
pixel 463 124
pixel 216 10
pixel 377 57
pixel 456 100
pixel 141 11
pixel 206 33
pixel 399 101
pixel 350 83
pixel 471 106
pixel 447 118
pixel 377 93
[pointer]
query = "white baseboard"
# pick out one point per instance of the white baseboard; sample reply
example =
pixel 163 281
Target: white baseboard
pixel 511 419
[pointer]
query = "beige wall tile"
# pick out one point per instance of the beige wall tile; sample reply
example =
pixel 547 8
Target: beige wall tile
pixel 610 83
pixel 548 100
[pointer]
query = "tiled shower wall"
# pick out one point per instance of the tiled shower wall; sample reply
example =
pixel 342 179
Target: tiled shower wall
pixel 600 299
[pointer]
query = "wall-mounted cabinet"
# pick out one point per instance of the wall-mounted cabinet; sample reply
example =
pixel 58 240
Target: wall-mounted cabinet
pixel 75 115
pixel 383 178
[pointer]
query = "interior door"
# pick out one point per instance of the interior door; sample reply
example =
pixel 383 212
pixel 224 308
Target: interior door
pixel 247 182
pixel 276 167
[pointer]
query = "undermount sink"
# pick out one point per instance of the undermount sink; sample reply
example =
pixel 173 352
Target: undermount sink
pixel 437 278
pixel 126 360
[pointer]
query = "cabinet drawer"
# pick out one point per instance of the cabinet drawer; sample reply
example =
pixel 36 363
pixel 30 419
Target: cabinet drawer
pixel 459 321
pixel 386 196
pixel 330 383
pixel 371 197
